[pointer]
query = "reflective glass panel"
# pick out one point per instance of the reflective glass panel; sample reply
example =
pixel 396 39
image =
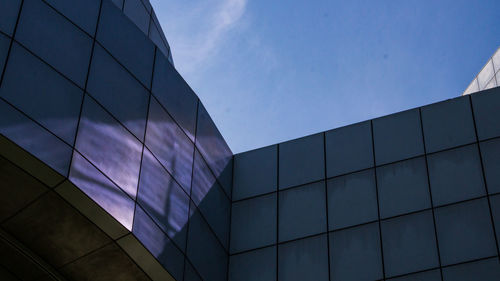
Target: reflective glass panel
pixel 214 149
pixel 67 50
pixel 169 144
pixel 104 192
pixel 42 144
pixel 127 44
pixel 118 91
pixel 43 94
pixel 210 199
pixel 84 13
pixel 163 199
pixel 110 147
pixel 158 244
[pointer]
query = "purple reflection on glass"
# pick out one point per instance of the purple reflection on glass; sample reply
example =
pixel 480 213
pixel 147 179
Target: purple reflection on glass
pixel 110 147
pixel 158 244
pixel 163 199
pixel 34 139
pixel 102 190
pixel 210 199
pixel 214 149
pixel 169 143
pixel 203 180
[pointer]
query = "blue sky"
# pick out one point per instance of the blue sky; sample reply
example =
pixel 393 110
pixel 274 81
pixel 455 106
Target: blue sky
pixel 270 71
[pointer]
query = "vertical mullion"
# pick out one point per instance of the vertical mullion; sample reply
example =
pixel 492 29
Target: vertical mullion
pixel 11 41
pixel 85 86
pixel 430 192
pixel 484 175
pixel 277 209
pixel 191 189
pixel 326 206
pixel 378 203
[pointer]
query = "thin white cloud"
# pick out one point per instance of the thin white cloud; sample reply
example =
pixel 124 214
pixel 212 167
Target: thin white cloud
pixel 198 31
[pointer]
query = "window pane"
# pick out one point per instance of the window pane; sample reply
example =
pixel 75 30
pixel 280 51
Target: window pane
pixel 43 94
pixel 403 187
pixel 201 241
pixel 464 232
pixel 490 151
pixel 354 249
pixel 256 265
pixel 302 211
pixel 8 15
pixel 448 124
pixel 485 270
pixel 42 144
pixel 67 50
pixel 409 244
pixel 170 145
pixel 301 161
pixel 485 75
pixel 158 244
pixel 255 172
pixel 210 199
pixel 456 175
pixel 127 44
pixel 82 12
pixel 104 192
pixel 253 223
pixel 135 10
pixel 214 149
pixel 349 149
pixel 110 147
pixel 486 113
pixel 304 259
pixel 398 136
pixel 352 200
pixel 163 199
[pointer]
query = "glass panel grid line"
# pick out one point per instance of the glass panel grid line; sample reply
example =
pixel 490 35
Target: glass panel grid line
pixel 484 178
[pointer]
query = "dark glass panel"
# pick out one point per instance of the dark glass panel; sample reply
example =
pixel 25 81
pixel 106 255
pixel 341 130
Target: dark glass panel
pixel 43 94
pixel 210 199
pixel 253 223
pixel 214 149
pixel 158 244
pixel 42 144
pixel 255 172
pixel 169 144
pixel 398 136
pixel 163 199
pixel 349 149
pixel 67 50
pixel 301 161
pixel 120 93
pixel 84 13
pixel 302 211
pixel 126 42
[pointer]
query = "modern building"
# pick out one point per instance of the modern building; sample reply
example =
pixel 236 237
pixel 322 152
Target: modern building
pixel 112 169
pixel 488 77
